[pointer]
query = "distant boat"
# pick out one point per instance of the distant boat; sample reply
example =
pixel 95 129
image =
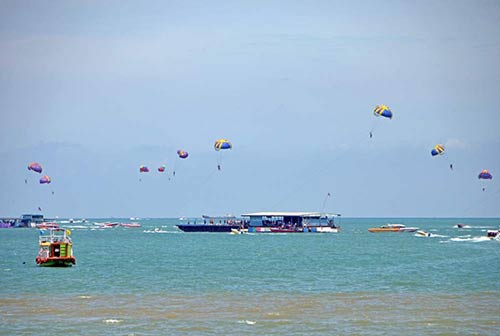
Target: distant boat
pixel 130 225
pixel 423 233
pixel 393 228
pixel 55 248
pixel 108 225
pixel 493 234
pixel 239 231
pixel 47 225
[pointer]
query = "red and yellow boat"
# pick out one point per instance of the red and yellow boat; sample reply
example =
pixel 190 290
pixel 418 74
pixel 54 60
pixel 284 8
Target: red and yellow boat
pixel 393 228
pixel 56 248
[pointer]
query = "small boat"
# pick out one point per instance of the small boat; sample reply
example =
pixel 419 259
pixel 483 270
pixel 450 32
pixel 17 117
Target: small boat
pixel 55 248
pixel 130 225
pixel 423 233
pixel 47 225
pixel 393 228
pixel 109 225
pixel 493 234
pixel 239 231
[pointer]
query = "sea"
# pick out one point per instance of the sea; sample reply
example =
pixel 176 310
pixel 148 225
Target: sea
pixel 135 281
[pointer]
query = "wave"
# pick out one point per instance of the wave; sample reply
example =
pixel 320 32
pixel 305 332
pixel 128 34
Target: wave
pixel 112 321
pixel 471 239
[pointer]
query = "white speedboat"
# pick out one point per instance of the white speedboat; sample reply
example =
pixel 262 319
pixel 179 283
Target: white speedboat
pixel 423 233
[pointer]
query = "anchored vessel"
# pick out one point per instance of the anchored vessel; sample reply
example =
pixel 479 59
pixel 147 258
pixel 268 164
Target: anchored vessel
pixel 56 248
pixel 291 222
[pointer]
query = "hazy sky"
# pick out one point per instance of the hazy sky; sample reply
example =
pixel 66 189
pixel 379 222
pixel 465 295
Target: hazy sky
pixel 94 89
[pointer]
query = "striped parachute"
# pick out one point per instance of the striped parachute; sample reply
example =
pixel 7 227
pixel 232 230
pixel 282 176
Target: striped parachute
pixel 485 175
pixel 161 169
pixel 45 179
pixel 222 144
pixel 182 154
pixel 437 150
pixel 383 111
pixel 143 169
pixel 35 166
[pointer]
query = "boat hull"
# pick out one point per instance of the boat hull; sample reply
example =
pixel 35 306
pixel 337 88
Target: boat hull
pixel 375 230
pixel 310 229
pixel 56 262
pixel 207 227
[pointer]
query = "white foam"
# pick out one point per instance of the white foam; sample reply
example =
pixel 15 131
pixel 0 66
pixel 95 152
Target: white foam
pixel 84 297
pixel 112 321
pixel 473 239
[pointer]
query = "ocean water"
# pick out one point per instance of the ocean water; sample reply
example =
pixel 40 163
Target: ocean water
pixel 132 282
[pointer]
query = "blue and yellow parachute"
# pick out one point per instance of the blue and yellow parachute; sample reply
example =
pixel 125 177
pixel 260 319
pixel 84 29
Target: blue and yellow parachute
pixel 383 111
pixel 222 144
pixel 437 150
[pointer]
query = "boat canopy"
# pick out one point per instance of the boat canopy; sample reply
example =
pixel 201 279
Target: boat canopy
pixel 290 214
pixel 291 219
pixel 218 217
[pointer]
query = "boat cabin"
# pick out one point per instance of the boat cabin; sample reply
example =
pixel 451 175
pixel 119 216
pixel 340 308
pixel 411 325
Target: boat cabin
pixel 291 222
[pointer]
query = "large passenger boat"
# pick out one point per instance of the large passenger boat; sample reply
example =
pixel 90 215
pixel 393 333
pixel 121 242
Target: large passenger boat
pixel 291 222
pixel 56 248
pixel 213 224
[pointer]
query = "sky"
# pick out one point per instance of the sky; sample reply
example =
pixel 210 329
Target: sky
pixel 94 89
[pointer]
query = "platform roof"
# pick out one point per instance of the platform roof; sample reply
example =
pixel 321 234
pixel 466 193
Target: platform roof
pixel 285 214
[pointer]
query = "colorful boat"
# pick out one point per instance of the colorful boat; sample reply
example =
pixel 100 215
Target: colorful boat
pixel 291 222
pixel 56 248
pixel 393 228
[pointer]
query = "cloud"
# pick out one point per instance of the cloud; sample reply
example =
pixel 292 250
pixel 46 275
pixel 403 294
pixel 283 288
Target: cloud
pixel 456 143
